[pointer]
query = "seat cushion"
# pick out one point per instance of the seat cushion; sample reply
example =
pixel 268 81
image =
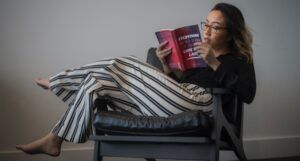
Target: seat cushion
pixel 190 122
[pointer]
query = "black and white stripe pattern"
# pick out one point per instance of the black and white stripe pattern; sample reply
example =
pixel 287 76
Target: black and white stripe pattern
pixel 132 86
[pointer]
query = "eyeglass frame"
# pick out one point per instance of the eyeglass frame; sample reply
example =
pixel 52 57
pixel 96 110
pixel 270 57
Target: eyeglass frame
pixel 215 29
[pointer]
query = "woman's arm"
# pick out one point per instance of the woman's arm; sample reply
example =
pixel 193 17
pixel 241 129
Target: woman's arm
pixel 242 79
pixel 231 72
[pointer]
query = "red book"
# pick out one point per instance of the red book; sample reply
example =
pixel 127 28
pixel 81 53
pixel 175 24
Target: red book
pixel 181 40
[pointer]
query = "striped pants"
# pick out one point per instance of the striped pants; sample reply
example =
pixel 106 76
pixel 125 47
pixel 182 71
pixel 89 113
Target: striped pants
pixel 132 86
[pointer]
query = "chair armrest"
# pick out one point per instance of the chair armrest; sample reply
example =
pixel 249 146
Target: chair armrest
pixel 219 90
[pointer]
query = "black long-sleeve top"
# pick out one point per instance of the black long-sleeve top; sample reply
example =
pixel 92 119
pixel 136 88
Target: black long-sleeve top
pixel 234 73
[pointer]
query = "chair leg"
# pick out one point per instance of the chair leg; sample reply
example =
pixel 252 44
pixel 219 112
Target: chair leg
pixel 240 153
pixel 238 148
pixel 237 143
pixel 97 156
pixel 215 155
pixel 150 159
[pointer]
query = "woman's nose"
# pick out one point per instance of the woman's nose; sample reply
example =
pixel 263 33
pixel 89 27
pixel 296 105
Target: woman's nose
pixel 207 31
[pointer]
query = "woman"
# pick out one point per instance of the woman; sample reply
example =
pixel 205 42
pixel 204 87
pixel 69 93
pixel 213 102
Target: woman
pixel 129 83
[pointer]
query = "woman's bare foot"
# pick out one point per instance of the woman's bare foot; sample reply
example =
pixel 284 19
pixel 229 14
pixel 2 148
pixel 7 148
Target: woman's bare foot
pixel 49 144
pixel 42 82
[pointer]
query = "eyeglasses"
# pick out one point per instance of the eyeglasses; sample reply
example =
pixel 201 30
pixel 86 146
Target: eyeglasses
pixel 214 28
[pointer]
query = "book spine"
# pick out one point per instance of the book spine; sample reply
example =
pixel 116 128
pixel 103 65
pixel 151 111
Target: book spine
pixel 174 60
pixel 179 61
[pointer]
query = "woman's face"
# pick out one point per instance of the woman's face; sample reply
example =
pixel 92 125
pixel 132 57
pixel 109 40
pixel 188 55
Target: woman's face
pixel 216 33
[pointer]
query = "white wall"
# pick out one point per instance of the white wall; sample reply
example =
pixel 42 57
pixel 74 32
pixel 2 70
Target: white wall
pixel 42 38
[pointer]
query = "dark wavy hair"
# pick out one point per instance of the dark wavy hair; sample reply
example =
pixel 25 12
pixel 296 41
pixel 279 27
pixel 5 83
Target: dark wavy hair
pixel 239 34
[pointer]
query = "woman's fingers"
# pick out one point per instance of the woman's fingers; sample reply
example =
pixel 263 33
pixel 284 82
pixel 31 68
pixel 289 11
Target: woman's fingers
pixel 197 43
pixel 199 47
pixel 202 48
pixel 166 52
pixel 162 45
pixel 160 48
pixel 161 53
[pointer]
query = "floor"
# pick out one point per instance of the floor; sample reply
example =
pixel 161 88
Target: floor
pixel 279 159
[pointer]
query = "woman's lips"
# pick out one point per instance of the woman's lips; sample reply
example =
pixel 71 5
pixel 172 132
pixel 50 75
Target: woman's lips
pixel 206 40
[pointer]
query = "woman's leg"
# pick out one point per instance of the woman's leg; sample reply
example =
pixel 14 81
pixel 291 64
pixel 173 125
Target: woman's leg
pixel 154 92
pixel 65 85
pixel 146 90
pixel 49 144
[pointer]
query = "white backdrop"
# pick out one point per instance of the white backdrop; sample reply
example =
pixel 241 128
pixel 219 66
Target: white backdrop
pixel 44 37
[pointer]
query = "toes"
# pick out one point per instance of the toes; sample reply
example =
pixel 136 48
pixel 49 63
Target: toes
pixel 42 82
pixel 19 147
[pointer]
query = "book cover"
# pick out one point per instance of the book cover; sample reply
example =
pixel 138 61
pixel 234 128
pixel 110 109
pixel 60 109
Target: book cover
pixel 182 40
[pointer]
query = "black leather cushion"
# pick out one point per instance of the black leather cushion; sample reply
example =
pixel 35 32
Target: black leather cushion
pixel 190 122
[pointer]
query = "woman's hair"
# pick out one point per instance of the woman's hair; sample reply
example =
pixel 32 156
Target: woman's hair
pixel 240 36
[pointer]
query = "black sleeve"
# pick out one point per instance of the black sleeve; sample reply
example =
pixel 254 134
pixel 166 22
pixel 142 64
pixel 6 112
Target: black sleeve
pixel 176 75
pixel 173 75
pixel 241 79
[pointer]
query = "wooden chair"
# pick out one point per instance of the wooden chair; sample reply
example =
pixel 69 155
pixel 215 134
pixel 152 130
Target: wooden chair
pixel 223 132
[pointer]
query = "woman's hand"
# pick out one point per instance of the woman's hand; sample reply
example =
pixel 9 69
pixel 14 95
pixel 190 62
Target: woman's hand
pixel 161 54
pixel 208 54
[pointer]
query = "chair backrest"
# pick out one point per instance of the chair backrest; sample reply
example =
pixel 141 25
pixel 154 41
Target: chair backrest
pixel 152 59
pixel 235 113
